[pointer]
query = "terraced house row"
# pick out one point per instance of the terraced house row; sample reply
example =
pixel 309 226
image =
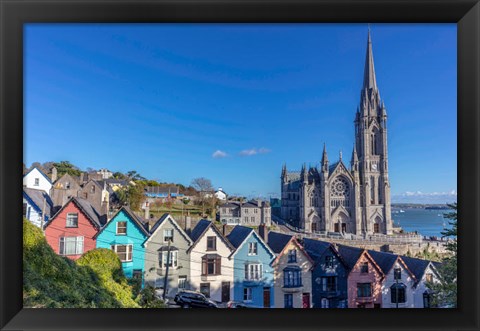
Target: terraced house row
pixel 261 268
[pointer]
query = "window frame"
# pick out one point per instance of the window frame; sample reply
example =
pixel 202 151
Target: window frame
pixel 127 252
pixel 292 278
pixel 162 259
pixel 397 273
pixel 165 237
pixel 252 248
pixel 247 294
pixel 402 294
pixel 253 271
pixel 364 267
pixel 288 303
pixel 214 238
pixel 292 256
pixel 62 244
pixel 329 261
pixel 118 227
pixel 67 219
pixel 361 290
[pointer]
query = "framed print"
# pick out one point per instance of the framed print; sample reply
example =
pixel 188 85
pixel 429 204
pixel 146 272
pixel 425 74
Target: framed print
pixel 300 161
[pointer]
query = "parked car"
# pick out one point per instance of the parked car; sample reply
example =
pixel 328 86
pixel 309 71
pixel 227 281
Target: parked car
pixel 236 304
pixel 192 299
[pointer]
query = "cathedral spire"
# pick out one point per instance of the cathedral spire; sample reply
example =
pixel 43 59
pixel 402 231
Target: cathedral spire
pixel 324 155
pixel 369 80
pixel 354 156
pixel 284 170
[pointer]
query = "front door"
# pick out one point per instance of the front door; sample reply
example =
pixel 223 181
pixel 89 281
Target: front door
pixel 336 228
pixel 266 297
pixel 314 226
pixel 306 300
pixel 225 291
pixel 344 227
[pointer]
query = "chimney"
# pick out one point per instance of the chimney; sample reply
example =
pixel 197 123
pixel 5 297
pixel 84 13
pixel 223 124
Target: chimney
pixel 105 207
pixel 188 225
pixel 54 174
pixel 263 232
pixel 224 229
pixel 147 211
pixel 259 203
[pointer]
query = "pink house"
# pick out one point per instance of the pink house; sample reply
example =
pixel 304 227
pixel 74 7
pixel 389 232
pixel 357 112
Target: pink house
pixel 364 280
pixel 72 229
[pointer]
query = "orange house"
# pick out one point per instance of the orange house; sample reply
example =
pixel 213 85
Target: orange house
pixel 364 279
pixel 72 229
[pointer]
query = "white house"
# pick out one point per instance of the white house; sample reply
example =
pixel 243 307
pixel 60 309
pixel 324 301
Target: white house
pixel 211 269
pixel 425 272
pixel 220 194
pixel 36 179
pixel 33 204
pixel 398 285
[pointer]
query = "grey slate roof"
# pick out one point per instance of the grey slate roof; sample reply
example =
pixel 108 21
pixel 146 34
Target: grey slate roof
pixel 238 235
pixel 37 197
pixel 315 248
pixel 91 212
pixel 277 241
pixel 416 266
pixel 384 260
pixel 158 223
pixel 349 254
pixel 199 229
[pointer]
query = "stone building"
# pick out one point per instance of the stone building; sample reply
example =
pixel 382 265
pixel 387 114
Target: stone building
pixel 334 197
pixel 252 213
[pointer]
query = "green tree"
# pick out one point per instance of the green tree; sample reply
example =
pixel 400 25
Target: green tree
pixel 445 291
pixel 147 298
pixel 65 167
pixel 131 195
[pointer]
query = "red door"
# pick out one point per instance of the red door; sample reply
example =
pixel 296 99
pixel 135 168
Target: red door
pixel 306 300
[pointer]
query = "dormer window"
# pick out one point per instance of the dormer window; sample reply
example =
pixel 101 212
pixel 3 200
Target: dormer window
pixel 252 249
pixel 168 235
pixel 364 267
pixel 122 228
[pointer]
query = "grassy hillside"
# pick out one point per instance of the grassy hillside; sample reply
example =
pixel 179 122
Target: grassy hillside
pixel 52 281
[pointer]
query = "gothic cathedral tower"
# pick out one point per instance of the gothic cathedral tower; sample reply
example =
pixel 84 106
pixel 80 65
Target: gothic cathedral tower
pixel 370 156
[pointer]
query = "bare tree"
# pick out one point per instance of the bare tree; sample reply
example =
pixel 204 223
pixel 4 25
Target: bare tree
pixel 204 188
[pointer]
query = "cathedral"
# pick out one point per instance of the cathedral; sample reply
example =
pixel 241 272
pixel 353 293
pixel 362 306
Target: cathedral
pixel 337 197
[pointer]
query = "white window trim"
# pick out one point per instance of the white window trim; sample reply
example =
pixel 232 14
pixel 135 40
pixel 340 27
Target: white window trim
pixel 173 257
pixel 249 294
pixel 78 239
pixel 166 241
pixel 126 253
pixel 251 271
pixel 121 234
pixel 66 221
pixel 251 244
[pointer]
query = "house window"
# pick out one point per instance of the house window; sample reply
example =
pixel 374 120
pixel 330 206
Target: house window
pixel 253 271
pixel 252 219
pixel 397 273
pixel 255 210
pixel 364 290
pixel 121 228
pixel 211 243
pixel 163 256
pixel 429 278
pixel 288 300
pixel 205 289
pixel 182 282
pixel 92 189
pixel 37 182
pixel 397 291
pixel 72 220
pixel 426 300
pixel 246 211
pixel 168 235
pixel 329 284
pixel 85 195
pixel 67 185
pixel 71 246
pixel 247 294
pixel 124 252
pixel 246 219
pixel 292 256
pixel 292 277
pixel 325 303
pixel 137 274
pixel 211 265
pixel 364 267
pixel 252 249
pixel 329 261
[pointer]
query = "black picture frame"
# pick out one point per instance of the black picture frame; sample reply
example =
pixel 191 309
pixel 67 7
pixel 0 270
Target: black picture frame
pixel 14 13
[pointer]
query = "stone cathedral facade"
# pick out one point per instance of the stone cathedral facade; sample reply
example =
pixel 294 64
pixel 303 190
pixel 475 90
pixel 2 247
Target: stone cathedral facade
pixel 341 197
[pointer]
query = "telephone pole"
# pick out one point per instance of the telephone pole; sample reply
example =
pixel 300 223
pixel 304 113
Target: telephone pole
pixel 165 280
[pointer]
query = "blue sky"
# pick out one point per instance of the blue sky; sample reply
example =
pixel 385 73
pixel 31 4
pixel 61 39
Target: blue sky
pixel 234 102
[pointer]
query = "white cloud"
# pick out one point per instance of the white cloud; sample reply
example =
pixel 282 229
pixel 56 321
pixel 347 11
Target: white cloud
pixel 254 151
pixel 218 154
pixel 425 197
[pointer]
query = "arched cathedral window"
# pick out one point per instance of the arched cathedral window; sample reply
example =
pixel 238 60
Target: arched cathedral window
pixel 340 192
pixel 372 190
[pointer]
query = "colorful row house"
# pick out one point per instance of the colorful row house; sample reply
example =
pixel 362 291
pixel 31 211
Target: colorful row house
pixel 72 231
pixel 167 262
pixel 253 273
pixel 292 272
pixel 125 234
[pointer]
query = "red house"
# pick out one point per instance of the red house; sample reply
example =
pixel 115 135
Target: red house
pixel 71 232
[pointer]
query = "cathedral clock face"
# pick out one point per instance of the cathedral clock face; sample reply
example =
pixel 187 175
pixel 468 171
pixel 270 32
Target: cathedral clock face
pixel 374 166
pixel 340 187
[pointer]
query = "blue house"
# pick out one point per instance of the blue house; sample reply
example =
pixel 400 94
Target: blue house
pixel 329 275
pixel 126 234
pixel 253 274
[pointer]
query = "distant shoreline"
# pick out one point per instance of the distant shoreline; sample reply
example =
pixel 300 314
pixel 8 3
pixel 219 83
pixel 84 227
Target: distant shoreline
pixel 429 206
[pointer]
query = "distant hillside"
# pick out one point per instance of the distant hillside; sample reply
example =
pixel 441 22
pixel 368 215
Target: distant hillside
pixel 419 206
